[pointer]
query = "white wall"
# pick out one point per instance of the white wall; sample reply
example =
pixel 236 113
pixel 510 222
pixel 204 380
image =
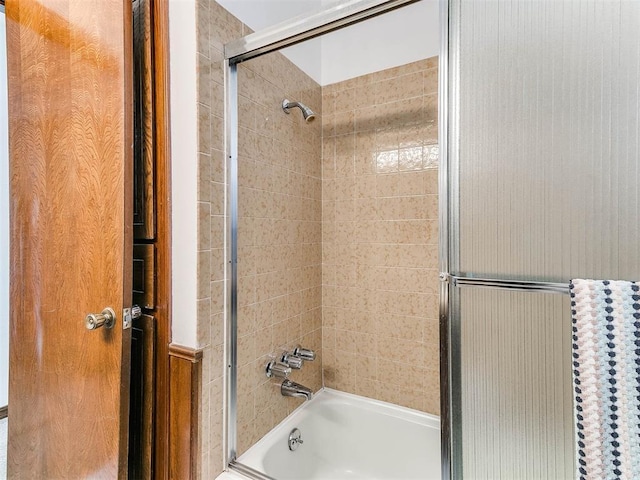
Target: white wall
pixel 184 171
pixel 259 14
pixel 4 222
pixel 405 35
pixel 402 36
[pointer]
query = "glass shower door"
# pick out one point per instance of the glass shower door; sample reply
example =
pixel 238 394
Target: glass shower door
pixel 543 179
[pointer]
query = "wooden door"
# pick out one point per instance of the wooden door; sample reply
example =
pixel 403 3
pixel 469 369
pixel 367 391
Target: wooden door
pixel 70 141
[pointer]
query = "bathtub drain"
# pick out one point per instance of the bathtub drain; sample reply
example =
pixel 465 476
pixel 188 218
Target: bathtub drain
pixel 295 439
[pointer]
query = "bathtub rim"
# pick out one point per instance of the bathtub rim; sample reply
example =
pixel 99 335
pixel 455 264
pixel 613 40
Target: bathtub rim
pixel 330 395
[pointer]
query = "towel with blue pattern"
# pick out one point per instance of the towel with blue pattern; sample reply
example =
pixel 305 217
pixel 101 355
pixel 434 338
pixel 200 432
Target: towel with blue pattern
pixel 606 378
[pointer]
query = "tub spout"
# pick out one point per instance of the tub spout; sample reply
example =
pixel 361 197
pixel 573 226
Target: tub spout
pixel 293 389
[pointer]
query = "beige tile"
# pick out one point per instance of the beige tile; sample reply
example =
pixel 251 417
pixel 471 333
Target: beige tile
pixel 246 349
pixel 345 341
pixel 328 102
pixel 366 387
pixel 246 113
pixel 397 88
pixel 365 96
pixel 204 80
pixel 430 77
pixel 410 158
pixel 366 367
pixel 204 326
pixel 204 226
pixel 204 274
pixel 366 118
pixel 215 388
pixel 217 328
pixel 375 211
pixel 202 28
pixel 246 319
pixel 430 108
pixel 388 348
pixel 345 100
pixel 204 129
pixel 204 177
pixel 400 303
pixel 401 326
pixel 387 161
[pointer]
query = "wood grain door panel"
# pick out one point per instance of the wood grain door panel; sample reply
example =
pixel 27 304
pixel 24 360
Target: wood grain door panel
pixel 142 410
pixel 144 272
pixel 144 221
pixel 70 124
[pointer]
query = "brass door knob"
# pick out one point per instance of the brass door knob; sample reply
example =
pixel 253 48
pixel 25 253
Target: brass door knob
pixel 105 319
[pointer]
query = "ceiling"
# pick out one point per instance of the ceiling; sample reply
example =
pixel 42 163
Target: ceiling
pixel 401 36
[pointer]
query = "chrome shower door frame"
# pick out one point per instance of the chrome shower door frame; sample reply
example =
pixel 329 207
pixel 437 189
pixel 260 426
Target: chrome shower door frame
pixel 251 46
pixel 444 205
pixel 453 279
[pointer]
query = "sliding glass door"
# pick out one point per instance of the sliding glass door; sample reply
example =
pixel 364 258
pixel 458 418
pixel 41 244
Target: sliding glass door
pixel 543 180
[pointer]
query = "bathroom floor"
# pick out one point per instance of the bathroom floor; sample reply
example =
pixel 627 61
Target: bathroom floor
pixel 230 476
pixel 3 448
pixel 3 456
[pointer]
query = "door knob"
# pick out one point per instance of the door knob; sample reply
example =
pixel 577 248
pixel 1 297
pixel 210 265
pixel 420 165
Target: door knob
pixel 96 320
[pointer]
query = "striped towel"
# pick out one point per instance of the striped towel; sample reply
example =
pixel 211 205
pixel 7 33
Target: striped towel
pixel 606 377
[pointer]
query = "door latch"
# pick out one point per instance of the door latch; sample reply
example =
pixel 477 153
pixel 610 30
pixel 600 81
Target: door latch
pixel 130 314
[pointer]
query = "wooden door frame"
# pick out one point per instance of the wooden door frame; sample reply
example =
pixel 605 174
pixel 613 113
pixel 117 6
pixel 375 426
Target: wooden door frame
pixel 4 409
pixel 162 146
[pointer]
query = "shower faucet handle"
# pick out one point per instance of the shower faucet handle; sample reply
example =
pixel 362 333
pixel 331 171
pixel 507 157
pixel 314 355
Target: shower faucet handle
pixel 292 361
pixel 304 353
pixel 277 369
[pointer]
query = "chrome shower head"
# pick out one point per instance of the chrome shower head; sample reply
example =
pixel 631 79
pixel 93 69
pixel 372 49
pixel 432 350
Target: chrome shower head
pixel 307 113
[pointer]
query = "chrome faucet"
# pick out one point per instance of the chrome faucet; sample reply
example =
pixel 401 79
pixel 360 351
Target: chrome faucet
pixel 293 389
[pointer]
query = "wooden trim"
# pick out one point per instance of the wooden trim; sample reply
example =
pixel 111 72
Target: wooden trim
pixel 128 235
pixel 144 275
pixel 144 226
pixel 4 411
pixel 184 406
pixel 160 32
pixel 142 399
pixel 194 355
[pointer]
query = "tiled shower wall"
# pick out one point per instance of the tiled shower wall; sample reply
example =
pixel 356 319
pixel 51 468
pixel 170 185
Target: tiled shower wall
pixel 215 26
pixel 279 232
pixel 359 244
pixel 279 236
pixel 380 236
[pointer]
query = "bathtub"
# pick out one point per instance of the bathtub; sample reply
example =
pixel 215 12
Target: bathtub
pixel 350 437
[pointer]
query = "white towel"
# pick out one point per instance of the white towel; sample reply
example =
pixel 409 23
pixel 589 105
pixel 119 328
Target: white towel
pixel 606 376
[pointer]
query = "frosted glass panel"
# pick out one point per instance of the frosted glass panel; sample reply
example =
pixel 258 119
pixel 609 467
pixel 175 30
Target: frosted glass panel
pixel 517 419
pixel 549 127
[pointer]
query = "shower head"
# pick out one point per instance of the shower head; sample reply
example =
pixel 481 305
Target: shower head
pixel 307 113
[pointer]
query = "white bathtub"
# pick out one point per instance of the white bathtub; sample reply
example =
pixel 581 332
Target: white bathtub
pixel 350 437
